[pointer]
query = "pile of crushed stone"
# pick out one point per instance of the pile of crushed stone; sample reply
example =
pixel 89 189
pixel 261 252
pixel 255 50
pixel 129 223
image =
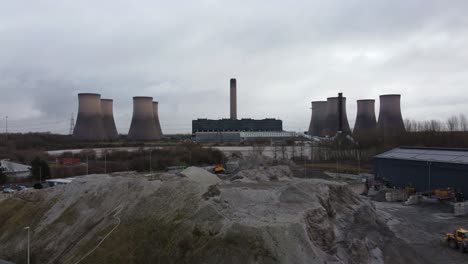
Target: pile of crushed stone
pixel 265 216
pixel 274 173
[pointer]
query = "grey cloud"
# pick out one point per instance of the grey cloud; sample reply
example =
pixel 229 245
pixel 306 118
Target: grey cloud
pixel 284 54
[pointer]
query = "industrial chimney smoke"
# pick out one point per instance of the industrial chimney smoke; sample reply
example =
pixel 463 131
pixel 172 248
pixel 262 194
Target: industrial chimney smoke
pixel 108 119
pixel 366 123
pixel 142 126
pixel 317 121
pixel 89 124
pixel 390 119
pixel 159 133
pixel 332 120
pixel 233 98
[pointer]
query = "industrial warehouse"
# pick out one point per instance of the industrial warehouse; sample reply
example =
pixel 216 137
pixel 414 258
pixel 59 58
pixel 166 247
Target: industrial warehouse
pixel 425 169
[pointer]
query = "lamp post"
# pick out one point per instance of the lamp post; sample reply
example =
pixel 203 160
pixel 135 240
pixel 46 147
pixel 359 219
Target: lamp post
pixel 151 167
pixel 105 162
pixel 338 164
pixel 6 127
pixel 429 165
pixel 28 228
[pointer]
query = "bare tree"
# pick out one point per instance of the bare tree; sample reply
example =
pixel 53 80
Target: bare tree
pixel 453 123
pixel 293 151
pixel 409 125
pixel 463 122
pixel 283 150
pixel 435 125
pixel 275 151
pixel 301 149
pixel 258 149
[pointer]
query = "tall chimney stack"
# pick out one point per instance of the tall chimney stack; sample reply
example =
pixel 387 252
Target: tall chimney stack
pixel 335 117
pixel 233 99
pixel 340 112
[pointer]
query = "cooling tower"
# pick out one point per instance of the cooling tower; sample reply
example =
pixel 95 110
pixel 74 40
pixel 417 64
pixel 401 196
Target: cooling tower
pixel 332 117
pixel 317 121
pixel 366 123
pixel 390 119
pixel 142 126
pixel 89 124
pixel 233 99
pixel 159 133
pixel 108 119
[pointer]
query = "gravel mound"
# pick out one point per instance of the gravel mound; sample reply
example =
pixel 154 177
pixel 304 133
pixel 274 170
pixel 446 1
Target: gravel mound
pixel 272 218
pixel 274 173
pixel 200 175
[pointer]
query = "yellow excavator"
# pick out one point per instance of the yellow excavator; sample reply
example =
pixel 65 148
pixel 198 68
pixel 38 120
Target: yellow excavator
pixel 458 239
pixel 219 169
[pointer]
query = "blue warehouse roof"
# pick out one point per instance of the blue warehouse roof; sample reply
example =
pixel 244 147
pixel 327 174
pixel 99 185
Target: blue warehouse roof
pixel 459 156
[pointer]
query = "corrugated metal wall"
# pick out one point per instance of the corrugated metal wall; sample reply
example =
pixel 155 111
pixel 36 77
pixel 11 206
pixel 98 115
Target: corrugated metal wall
pixel 217 137
pixel 422 175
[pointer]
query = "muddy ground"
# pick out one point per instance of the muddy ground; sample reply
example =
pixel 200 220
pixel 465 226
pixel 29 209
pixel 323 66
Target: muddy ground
pixel 423 226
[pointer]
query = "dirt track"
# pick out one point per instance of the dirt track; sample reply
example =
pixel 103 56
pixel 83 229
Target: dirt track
pixel 423 226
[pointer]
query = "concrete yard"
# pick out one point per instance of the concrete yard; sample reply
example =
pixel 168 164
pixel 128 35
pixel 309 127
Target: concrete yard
pixel 423 226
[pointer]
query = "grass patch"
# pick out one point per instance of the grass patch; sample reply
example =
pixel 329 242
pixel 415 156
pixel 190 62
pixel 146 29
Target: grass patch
pixel 155 241
pixel 341 168
pixel 68 217
pixel 15 215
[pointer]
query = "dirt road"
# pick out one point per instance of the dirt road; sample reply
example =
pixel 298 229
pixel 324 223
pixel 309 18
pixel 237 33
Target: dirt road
pixel 423 226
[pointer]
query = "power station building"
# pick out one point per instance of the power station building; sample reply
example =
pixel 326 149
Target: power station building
pixel 108 119
pixel 156 119
pixel 229 125
pixel 89 122
pixel 390 121
pixel 317 121
pixel 241 137
pixel 424 168
pixel 330 117
pixel 366 123
pixel 336 118
pixel 143 126
pixel 233 124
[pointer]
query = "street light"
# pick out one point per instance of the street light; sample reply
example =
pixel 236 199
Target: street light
pixel 27 228
pixel 105 162
pixel 151 167
pixel 429 165
pixel 338 164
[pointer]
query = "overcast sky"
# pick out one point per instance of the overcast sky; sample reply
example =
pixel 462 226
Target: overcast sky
pixel 284 54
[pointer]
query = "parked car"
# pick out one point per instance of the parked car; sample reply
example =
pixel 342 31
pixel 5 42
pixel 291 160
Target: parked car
pixel 20 188
pixel 8 190
pixel 38 186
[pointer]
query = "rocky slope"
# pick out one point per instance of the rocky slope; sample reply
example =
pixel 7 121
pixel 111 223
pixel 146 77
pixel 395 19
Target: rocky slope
pixel 259 216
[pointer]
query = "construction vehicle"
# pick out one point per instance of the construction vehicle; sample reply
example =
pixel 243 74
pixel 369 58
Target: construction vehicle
pixel 458 239
pixel 444 194
pixel 410 190
pixel 219 168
